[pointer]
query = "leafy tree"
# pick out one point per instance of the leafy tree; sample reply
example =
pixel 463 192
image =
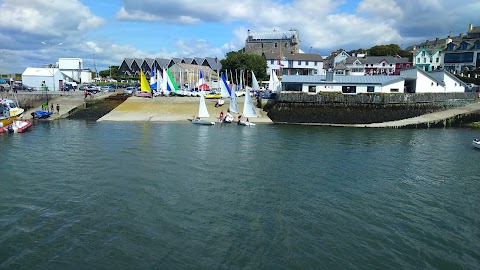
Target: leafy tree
pixel 383 50
pixel 106 73
pixel 246 61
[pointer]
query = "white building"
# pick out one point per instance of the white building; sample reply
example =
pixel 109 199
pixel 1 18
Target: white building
pixel 343 84
pixel 74 71
pixel 419 81
pixel 53 78
pixel 294 63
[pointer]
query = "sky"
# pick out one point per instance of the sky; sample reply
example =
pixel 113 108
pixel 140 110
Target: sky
pixel 35 33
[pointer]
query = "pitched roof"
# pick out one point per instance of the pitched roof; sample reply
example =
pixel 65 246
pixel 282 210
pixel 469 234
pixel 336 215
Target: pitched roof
pixel 44 72
pixel 128 62
pixel 214 63
pixel 163 63
pixel 440 74
pixel 377 59
pixel 426 74
pixel 293 56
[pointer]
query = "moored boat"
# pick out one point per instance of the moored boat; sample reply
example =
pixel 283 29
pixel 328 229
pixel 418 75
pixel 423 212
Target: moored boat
pixel 476 143
pixel 9 111
pixel 17 126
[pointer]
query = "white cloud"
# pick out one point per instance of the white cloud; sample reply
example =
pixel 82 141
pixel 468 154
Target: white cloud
pixel 47 18
pixel 172 26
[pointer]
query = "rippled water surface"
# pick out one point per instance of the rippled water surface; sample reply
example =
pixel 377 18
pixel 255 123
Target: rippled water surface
pixel 86 195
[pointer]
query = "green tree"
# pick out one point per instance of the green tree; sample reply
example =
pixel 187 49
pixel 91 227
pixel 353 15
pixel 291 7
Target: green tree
pixel 246 61
pixel 384 50
pixel 113 70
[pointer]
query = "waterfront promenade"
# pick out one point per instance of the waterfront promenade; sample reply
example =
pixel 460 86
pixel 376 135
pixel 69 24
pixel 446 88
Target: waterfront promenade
pixel 427 118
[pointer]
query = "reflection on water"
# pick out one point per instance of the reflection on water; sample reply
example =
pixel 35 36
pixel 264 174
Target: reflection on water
pixel 79 194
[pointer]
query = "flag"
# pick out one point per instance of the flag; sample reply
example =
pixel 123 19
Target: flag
pixel 202 85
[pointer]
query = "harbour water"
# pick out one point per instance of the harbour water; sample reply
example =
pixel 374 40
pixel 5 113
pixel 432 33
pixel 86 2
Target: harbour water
pixel 85 195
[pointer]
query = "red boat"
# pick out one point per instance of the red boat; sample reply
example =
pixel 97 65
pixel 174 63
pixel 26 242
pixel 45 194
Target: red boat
pixel 18 126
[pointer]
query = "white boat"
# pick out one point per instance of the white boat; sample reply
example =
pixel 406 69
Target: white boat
pixel 249 110
pixel 476 143
pixel 202 112
pixel 9 111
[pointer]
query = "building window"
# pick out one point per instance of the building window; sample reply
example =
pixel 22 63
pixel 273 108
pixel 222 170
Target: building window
pixel 390 64
pixel 349 89
pixel 271 62
pixel 262 45
pixel 275 45
pixel 418 60
pixel 299 62
pixel 383 64
pixel 312 89
pixel 438 59
pixel 306 63
pixel 315 63
pixel 286 45
pixel 370 89
pixel 394 90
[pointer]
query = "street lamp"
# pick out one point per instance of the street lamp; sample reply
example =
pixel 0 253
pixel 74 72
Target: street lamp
pixel 53 65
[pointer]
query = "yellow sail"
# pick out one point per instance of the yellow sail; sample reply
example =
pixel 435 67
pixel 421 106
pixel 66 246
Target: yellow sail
pixel 144 85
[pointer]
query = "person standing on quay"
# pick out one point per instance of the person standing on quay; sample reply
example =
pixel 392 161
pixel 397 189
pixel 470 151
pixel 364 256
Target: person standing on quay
pixel 58 108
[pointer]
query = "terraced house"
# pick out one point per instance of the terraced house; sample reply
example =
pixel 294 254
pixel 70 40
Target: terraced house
pixel 463 55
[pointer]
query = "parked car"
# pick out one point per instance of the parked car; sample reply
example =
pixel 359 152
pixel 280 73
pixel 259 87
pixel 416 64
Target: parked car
pixel 107 88
pixel 130 90
pixel 68 87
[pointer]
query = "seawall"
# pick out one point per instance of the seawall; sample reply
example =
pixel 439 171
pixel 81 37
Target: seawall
pixel 337 108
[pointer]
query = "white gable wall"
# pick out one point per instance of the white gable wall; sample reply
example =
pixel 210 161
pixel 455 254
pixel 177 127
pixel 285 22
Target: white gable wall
pixel 34 77
pixel 452 85
pixel 428 85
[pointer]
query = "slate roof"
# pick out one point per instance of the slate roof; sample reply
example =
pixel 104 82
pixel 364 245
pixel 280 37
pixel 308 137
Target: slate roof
pixel 349 79
pixel 426 74
pixel 163 63
pixel 294 56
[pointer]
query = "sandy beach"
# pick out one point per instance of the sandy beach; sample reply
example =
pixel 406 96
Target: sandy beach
pixel 172 109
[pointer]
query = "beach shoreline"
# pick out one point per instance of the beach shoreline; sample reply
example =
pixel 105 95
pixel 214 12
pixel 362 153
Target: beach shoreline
pixel 172 109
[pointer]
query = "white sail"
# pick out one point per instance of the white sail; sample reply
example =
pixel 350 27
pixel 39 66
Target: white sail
pixel 255 85
pixel 224 88
pixel 248 107
pixel 164 82
pixel 233 102
pixel 202 109
pixel 273 83
pixel 159 81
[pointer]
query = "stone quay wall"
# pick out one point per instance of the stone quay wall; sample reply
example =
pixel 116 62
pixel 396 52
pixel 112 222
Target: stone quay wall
pixel 365 108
